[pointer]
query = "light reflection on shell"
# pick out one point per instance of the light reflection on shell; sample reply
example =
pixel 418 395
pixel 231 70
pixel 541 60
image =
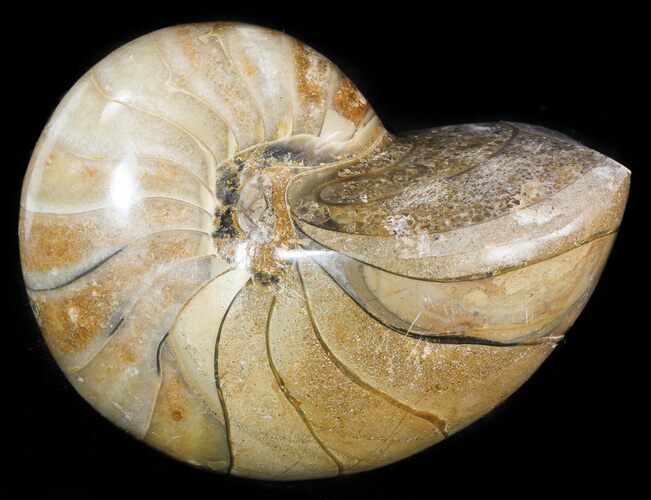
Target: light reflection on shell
pixel 232 259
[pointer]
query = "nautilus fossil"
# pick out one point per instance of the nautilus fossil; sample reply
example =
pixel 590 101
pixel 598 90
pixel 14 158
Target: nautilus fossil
pixel 232 259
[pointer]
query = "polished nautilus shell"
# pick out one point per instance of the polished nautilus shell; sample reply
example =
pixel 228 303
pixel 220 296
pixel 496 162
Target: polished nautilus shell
pixel 231 258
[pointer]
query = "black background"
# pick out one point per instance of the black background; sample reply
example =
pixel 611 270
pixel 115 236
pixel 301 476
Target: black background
pixel 578 426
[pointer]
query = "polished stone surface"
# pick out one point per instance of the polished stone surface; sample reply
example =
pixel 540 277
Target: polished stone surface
pixel 231 258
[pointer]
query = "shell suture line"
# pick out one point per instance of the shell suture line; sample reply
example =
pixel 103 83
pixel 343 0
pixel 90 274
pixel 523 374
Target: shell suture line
pixel 288 395
pixel 220 393
pixel 212 161
pixel 438 422
pixel 136 297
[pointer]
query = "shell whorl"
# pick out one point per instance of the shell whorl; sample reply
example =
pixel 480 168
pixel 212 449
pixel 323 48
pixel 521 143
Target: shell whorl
pixel 232 259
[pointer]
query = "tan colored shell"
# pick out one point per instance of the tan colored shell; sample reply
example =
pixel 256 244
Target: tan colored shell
pixel 232 259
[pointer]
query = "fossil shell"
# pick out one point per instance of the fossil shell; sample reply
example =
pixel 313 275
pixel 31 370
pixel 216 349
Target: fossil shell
pixel 231 258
